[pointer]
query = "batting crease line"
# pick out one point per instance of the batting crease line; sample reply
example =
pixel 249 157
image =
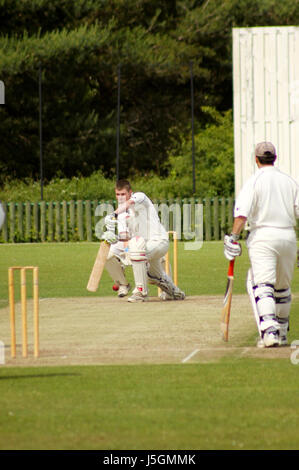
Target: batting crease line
pixel 190 355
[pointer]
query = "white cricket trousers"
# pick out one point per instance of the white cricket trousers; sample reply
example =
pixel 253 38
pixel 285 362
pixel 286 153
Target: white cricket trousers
pixel 272 254
pixel 155 250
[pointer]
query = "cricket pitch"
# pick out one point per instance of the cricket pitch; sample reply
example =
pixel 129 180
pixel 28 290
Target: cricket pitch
pixel 108 330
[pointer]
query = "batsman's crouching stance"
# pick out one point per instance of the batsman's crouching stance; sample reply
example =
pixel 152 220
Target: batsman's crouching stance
pixel 147 242
pixel 269 202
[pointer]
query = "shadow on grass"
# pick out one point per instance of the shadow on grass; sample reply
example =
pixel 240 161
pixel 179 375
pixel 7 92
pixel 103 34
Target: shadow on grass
pixel 39 376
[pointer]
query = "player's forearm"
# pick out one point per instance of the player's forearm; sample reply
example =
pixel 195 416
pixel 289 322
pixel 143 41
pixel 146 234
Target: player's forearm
pixel 238 225
pixel 123 206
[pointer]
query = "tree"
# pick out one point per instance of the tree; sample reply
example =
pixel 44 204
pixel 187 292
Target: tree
pixel 214 157
pixel 80 46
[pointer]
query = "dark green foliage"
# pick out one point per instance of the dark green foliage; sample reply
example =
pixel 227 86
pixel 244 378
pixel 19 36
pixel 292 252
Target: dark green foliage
pixel 214 171
pixel 79 46
pixel 214 158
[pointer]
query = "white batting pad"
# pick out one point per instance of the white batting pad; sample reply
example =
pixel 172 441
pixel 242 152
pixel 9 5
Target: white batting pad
pixel 263 304
pixel 140 276
pixel 283 299
pixel 115 270
pixel 249 285
pixel 137 249
pixel 138 259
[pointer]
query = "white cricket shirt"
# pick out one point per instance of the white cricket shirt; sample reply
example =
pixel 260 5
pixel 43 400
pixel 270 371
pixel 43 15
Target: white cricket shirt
pixel 144 221
pixel 270 198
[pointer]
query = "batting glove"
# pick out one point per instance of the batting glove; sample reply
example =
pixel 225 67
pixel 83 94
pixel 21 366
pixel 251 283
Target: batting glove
pixel 111 222
pixel 109 237
pixel 232 248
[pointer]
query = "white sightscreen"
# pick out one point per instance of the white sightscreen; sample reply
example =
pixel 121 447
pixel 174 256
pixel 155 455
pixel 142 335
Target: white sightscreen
pixel 266 97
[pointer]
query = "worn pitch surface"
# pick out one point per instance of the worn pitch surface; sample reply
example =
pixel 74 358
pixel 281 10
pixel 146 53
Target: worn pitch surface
pixel 108 330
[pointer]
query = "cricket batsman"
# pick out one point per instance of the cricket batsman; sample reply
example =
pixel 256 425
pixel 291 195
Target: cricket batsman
pixel 269 204
pixel 147 242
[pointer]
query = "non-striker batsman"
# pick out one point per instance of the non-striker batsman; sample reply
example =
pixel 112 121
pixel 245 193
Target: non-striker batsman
pixel 269 203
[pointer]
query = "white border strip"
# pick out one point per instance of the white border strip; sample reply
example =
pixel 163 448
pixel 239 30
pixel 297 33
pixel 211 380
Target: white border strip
pixel 190 356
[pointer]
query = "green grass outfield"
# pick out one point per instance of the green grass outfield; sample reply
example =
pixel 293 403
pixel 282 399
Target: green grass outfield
pixel 65 268
pixel 231 403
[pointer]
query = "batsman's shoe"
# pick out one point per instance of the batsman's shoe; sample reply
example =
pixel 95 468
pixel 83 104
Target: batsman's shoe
pixel 165 296
pixel 167 286
pixel 138 296
pixel 270 338
pixel 178 294
pixel 124 290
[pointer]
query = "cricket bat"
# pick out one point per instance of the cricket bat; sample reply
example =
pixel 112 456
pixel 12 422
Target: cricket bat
pixel 225 315
pixel 98 267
